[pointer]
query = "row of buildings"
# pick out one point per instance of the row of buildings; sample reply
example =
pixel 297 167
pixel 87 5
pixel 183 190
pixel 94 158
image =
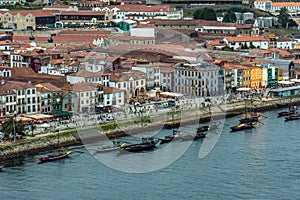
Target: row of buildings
pixel 65 16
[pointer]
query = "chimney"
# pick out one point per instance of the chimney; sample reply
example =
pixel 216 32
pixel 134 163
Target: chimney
pixel 29 82
pixel 2 82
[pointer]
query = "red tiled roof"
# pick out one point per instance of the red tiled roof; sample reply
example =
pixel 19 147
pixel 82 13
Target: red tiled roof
pixel 285 4
pixel 57 6
pixel 143 8
pixel 110 90
pixel 83 32
pixel 83 87
pixel 129 38
pixel 246 38
pixel 16 85
pixel 47 87
pixel 56 61
pixel 87 74
pixel 5 67
pixel 36 13
pixel 78 13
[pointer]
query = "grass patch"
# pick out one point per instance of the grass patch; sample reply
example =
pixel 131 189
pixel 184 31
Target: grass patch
pixel 108 127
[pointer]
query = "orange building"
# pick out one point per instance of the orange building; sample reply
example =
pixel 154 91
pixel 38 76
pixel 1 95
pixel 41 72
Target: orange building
pixel 256 77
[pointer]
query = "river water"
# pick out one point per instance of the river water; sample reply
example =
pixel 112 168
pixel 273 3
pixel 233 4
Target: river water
pixel 263 163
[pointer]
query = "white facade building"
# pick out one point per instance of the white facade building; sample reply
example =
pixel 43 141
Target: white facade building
pixel 27 101
pixel 269 6
pixel 113 97
pixel 148 69
pixel 237 42
pixel 200 79
pixel 84 76
pixel 133 82
pixel 287 43
pixel 5 71
pixel 142 12
pixel 85 94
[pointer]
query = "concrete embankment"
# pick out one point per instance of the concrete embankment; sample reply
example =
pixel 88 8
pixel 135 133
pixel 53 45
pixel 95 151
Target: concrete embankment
pixel 36 146
pixel 33 146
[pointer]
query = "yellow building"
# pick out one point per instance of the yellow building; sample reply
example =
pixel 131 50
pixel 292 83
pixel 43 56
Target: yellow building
pixel 247 77
pixel 256 77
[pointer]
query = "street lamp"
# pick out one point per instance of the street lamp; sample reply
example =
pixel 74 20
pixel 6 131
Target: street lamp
pixel 14 125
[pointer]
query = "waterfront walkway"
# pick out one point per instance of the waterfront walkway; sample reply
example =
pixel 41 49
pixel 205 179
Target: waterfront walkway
pixel 158 115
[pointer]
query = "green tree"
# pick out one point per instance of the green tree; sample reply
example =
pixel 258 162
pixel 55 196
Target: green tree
pixel 226 48
pixel 237 9
pixel 229 17
pixel 8 127
pixel 252 46
pixel 205 14
pixel 292 23
pixel 283 17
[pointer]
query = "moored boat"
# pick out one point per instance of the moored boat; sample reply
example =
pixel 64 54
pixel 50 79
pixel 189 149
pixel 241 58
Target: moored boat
pixel 116 146
pixel 292 117
pixel 243 126
pixel 2 167
pixel 199 136
pixel 169 138
pixel 286 113
pixel 202 129
pixel 249 119
pixel 147 144
pixel 55 157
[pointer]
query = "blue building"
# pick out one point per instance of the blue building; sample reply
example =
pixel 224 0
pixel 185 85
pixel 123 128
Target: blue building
pixel 285 92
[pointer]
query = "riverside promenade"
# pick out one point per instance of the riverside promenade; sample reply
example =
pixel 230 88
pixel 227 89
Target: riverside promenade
pixel 43 142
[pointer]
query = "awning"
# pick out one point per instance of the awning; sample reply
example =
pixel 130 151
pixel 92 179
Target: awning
pixel 171 94
pixel 285 82
pixel 244 89
pixel 62 113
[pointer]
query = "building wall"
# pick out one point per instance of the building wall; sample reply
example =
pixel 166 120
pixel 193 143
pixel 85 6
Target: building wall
pixel 197 80
pixel 256 77
pixel 5 73
pixel 116 99
pixel 86 100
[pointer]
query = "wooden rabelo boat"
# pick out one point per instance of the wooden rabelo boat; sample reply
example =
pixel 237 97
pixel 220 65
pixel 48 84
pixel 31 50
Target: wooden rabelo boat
pixel 293 117
pixel 2 167
pixel 291 111
pixel 193 137
pixel 55 157
pixel 170 138
pixel 146 144
pixel 250 119
pixel 243 126
pixel 202 129
pixel 115 147
pixel 286 113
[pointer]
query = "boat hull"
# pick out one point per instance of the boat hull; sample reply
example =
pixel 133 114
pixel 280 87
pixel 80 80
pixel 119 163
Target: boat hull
pixel 286 113
pixel 56 157
pixel 139 147
pixel 242 127
pixel 291 118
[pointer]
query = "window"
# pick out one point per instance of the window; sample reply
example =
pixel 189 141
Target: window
pixel 28 91
pixel 33 91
